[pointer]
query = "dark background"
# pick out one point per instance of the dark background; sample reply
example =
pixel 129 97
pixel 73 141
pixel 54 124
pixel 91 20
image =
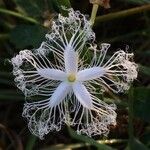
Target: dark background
pixel 23 24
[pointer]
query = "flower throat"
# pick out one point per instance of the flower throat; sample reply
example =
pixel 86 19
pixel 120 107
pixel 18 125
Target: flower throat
pixel 71 77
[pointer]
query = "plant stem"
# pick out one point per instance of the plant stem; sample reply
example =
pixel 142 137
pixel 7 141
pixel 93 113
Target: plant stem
pixel 31 142
pixel 121 14
pixel 130 129
pixel 93 14
pixel 18 15
pixel 129 35
pixel 80 145
pixel 112 141
pixel 4 36
pixel 88 140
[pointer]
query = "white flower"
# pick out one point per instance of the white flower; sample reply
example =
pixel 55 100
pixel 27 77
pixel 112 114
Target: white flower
pixel 69 82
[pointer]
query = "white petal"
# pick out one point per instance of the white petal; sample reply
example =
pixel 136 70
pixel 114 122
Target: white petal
pixel 71 60
pixel 82 95
pixel 90 74
pixel 53 74
pixel 59 94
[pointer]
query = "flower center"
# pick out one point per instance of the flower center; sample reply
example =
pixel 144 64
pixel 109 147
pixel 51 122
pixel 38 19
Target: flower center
pixel 71 77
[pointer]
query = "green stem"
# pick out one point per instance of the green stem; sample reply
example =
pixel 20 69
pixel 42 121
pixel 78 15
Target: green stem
pixel 80 145
pixel 88 140
pixel 93 14
pixel 31 142
pixel 130 129
pixel 112 141
pixel 18 15
pixel 7 25
pixel 4 36
pixel 129 35
pixel 121 14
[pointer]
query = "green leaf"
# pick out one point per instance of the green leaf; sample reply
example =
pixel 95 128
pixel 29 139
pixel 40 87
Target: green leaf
pixel 59 4
pixel 137 145
pixel 30 7
pixel 142 103
pixel 43 6
pixel 31 142
pixel 88 140
pixel 145 70
pixel 27 35
pixel 146 137
pixel 65 3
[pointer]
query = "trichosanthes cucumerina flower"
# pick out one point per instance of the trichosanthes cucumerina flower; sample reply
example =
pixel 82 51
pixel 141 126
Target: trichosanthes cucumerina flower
pixel 66 77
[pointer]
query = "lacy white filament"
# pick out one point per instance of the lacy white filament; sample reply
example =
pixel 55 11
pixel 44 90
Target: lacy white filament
pixel 68 82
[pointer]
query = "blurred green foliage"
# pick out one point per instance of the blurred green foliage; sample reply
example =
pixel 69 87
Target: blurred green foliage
pixel 34 34
pixel 141 101
pixel 138 1
pixel 23 24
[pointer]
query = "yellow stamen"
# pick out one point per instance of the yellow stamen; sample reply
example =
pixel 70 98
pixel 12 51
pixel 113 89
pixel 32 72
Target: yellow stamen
pixel 71 77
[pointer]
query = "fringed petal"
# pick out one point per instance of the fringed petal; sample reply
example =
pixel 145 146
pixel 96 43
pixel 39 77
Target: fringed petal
pixel 34 75
pixel 68 45
pixel 90 73
pixel 82 95
pixel 94 121
pixel 73 30
pixel 47 115
pixel 42 118
pixel 71 61
pixel 60 93
pixel 120 70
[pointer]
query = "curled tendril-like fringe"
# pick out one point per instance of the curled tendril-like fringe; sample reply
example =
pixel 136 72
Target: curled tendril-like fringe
pixel 73 30
pixel 74 22
pixel 26 68
pixel 120 69
pixel 95 121
pixel 43 118
pixel 71 33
